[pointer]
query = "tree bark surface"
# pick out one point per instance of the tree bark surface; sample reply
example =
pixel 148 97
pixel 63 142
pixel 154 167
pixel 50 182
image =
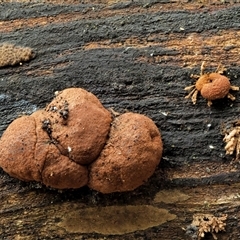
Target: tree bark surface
pixel 134 56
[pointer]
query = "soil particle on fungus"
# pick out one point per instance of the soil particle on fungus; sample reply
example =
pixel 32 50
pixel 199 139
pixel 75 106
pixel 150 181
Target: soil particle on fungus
pixel 11 54
pixel 64 111
pixel 46 126
pixel 129 158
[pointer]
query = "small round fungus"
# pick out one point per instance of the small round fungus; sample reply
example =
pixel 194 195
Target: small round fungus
pixel 212 86
pixel 74 142
pixel 217 86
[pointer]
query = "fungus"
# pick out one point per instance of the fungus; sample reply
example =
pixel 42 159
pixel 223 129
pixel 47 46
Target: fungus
pixel 112 220
pixel 130 156
pixel 74 142
pixel 204 223
pixel 11 54
pixel 36 147
pixel 80 122
pixel 232 139
pixel 212 86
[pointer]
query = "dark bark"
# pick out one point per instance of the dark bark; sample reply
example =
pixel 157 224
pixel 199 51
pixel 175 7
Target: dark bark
pixel 134 56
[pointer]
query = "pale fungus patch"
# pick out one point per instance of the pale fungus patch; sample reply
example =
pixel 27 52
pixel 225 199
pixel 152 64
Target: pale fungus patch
pixel 170 196
pixel 115 220
pixel 212 86
pixel 11 54
pixel 232 139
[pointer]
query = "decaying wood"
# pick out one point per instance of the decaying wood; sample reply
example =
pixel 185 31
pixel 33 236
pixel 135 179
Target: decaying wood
pixel 134 56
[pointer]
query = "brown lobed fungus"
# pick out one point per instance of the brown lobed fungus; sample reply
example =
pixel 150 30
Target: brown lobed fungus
pixel 212 86
pixel 11 54
pixel 55 144
pixel 73 142
pixel 130 156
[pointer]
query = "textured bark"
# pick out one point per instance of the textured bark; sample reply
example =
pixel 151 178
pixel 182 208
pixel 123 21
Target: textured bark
pixel 134 56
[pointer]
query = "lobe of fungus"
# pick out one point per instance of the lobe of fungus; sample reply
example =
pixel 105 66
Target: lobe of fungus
pixel 17 148
pixel 61 173
pixel 129 158
pixel 79 121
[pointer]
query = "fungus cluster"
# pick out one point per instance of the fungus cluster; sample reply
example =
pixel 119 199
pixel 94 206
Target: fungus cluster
pixel 206 223
pixel 232 140
pixel 212 86
pixel 11 54
pixel 75 142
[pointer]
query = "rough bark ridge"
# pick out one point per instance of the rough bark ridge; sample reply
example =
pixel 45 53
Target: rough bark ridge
pixel 137 56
